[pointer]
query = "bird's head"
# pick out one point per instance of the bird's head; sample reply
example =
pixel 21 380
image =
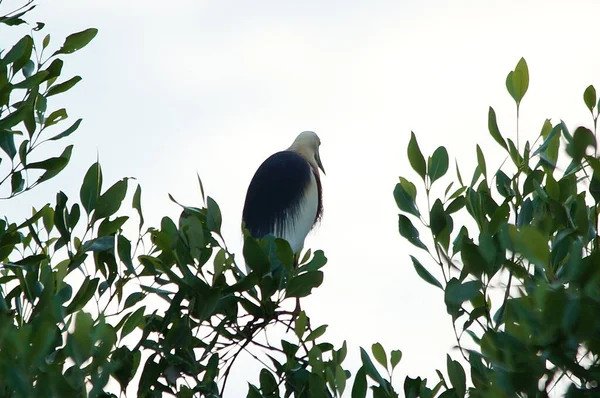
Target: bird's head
pixel 307 144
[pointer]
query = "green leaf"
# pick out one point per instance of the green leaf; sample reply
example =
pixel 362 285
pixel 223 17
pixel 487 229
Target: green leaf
pixel 55 117
pixel 62 87
pixel 493 128
pixel 589 97
pixel 317 262
pixel 137 204
pixel 517 81
pixel 439 164
pixel 424 274
pixel 136 319
pixel 103 243
pixel 84 294
pixel 409 232
pixel 359 388
pixel 300 326
pixel 409 187
pixel 379 354
pixel 457 376
pixel 457 204
pixel 481 162
pixel 18 51
pixel 53 166
pixel 457 293
pixel 67 132
pixel 17 183
pixel 91 187
pixel 396 356
pixel 109 227
pixel 133 299
pixel 530 242
pixel 110 201
pixel 582 138
pixel 7 143
pixel 301 285
pixel 340 379
pixel 124 250
pixel 405 201
pixel 315 334
pixel 213 215
pixel 415 157
pixel 369 367
pixel 255 257
pixel 77 41
pixel 268 385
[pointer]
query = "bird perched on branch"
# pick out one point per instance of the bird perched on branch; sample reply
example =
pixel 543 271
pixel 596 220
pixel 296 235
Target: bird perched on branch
pixel 285 196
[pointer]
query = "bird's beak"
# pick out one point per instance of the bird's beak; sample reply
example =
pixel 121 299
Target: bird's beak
pixel 318 159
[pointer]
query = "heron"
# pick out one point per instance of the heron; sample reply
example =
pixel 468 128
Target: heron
pixel 285 197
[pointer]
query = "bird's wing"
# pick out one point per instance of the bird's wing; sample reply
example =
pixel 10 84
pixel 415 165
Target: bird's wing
pixel 282 199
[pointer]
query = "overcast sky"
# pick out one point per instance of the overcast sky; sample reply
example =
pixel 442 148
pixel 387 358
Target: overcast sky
pixel 174 88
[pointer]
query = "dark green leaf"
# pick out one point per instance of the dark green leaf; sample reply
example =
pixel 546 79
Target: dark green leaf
pixel 62 87
pixel 84 294
pixel 415 157
pixel 77 41
pixel 91 187
pixel 493 128
pixel 301 285
pixel 104 243
pixel 424 274
pixel 7 143
pixel 255 257
pixel 481 162
pixel 369 367
pixel 457 293
pixel 53 166
pixel 110 201
pixel 137 204
pixel 457 376
pixel 17 183
pixel 359 388
pixel 439 164
pixel 213 215
pixel 135 320
pixel 124 250
pixel 67 132
pixel 268 385
pixel 133 299
pixel 582 138
pixel 405 201
pixel 589 97
pixel 409 232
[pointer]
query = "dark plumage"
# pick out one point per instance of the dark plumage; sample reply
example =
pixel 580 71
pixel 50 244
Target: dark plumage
pixel 284 197
pixel 275 192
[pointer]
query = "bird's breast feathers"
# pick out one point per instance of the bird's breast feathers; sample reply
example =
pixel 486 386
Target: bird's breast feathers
pixel 302 217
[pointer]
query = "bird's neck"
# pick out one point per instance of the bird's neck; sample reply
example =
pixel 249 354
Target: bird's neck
pixel 307 154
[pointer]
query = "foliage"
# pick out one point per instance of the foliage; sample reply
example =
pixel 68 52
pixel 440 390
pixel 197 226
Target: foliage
pixel 521 276
pixel 86 310
pixel 82 304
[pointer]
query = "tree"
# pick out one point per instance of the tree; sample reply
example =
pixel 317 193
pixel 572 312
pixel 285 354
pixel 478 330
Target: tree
pixel 87 311
pixel 535 240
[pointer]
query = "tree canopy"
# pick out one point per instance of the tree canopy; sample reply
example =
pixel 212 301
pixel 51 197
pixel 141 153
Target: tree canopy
pixel 86 310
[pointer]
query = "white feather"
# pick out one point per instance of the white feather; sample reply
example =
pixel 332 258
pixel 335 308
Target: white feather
pixel 301 223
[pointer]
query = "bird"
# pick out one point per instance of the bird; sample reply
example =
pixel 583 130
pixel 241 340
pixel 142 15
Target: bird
pixel 285 196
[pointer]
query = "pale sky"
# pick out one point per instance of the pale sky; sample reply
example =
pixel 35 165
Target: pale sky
pixel 174 88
